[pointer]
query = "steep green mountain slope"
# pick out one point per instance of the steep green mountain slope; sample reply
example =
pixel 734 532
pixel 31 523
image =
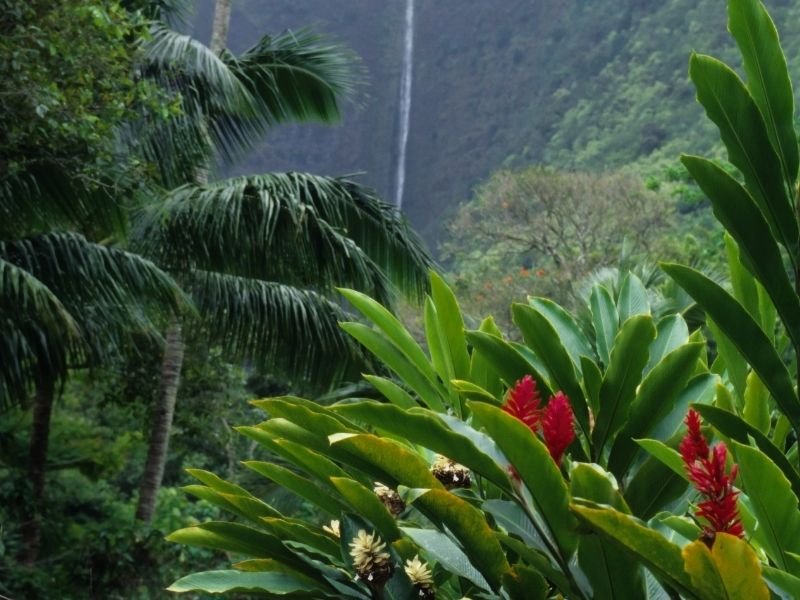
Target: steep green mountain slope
pixel 584 84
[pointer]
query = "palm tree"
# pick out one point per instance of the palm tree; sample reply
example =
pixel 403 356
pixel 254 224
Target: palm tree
pixel 260 255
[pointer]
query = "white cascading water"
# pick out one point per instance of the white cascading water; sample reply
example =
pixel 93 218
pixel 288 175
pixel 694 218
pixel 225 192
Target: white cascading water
pixel 405 103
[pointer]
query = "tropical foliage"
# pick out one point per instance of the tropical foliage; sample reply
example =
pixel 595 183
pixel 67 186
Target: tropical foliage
pixel 455 483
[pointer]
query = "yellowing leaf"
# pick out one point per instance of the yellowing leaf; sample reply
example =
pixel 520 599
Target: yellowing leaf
pixel 729 570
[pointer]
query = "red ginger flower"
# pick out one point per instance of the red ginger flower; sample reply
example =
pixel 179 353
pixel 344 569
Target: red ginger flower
pixel 522 402
pixel 706 470
pixel 556 420
pixel 558 429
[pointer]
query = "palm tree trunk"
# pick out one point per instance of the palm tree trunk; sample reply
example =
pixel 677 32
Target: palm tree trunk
pixel 222 22
pixel 37 461
pixel 161 422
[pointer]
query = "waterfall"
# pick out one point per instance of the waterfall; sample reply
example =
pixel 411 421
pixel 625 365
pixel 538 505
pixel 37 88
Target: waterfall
pixel 405 103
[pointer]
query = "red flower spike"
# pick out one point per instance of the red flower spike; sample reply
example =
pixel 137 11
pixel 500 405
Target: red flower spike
pixel 558 426
pixel 706 470
pixel 522 402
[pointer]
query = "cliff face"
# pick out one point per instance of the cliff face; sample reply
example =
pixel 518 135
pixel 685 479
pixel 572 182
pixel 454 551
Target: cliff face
pixel 588 84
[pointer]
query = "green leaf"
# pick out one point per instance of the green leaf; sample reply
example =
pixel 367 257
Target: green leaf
pixel 734 427
pixel 468 525
pixel 543 339
pixel 740 216
pixel 592 382
pixel 653 487
pixel 246 507
pixel 299 531
pixel 474 392
pixel 744 333
pixel 446 552
pixel 605 320
pixel 742 282
pixel 571 335
pixel 391 391
pixel 229 581
pixel 632 298
pixel 369 506
pixel 537 470
pixel 307 414
pixel 505 360
pixel 731 107
pixel 767 77
pixel 733 362
pixel 299 485
pixel 523 583
pixel 393 329
pixel 452 326
pixel 541 563
pixel 756 404
pixel 432 394
pixel 399 464
pixel 423 427
pixel 773 503
pixel 655 399
pixel 481 371
pixel 655 552
pixel 665 454
pixel 785 585
pixel 628 359
pixel 671 332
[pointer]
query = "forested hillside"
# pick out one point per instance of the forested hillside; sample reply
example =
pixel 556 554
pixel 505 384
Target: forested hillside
pixel 587 84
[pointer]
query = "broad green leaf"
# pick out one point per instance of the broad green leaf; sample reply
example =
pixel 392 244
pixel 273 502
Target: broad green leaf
pixel 632 298
pixel 307 414
pixel 671 332
pixel 468 525
pixel 767 77
pixel 541 563
pixel 654 400
pixel 298 531
pixel 505 360
pixel 628 359
pixel 510 516
pixel 742 282
pixel 523 583
pixel 783 584
pixel 229 581
pixel 452 326
pixel 605 320
pixel 474 392
pixel 745 334
pixel 537 470
pixel 570 333
pixel 481 373
pixel 756 404
pixel 393 392
pixel 607 566
pixel 731 107
pixel 430 392
pixel 663 558
pixel 731 566
pixel 246 507
pixel 240 539
pixel 541 337
pixel 217 483
pixel 311 462
pixel 299 485
pixel 392 328
pixel 653 487
pixel 731 359
pixel 773 503
pixel 665 454
pixel 767 312
pixel 369 506
pixel 592 382
pixel 446 552
pixel 740 216
pixel 440 354
pixel 399 464
pixel 423 427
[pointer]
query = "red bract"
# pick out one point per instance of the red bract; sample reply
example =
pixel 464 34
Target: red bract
pixel 556 419
pixel 706 470
pixel 522 402
pixel 558 428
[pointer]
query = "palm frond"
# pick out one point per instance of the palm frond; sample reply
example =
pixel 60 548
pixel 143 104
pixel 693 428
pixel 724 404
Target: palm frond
pixel 46 196
pixel 65 301
pixel 287 330
pixel 296 228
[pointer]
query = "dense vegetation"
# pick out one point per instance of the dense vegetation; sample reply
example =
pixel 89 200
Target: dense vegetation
pixel 626 406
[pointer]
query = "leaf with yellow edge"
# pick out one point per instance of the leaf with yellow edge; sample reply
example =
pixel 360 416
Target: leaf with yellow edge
pixel 730 570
